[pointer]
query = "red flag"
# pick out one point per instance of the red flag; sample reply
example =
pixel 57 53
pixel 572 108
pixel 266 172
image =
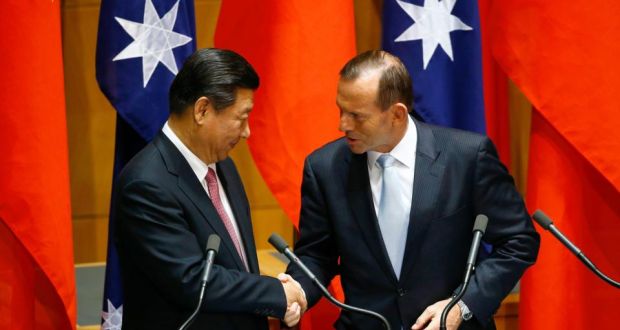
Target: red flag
pixel 559 292
pixel 297 47
pixel 562 55
pixel 37 285
pixel 495 90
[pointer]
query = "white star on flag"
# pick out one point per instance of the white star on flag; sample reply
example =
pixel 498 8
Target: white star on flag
pixel 433 24
pixel 153 40
pixel 113 318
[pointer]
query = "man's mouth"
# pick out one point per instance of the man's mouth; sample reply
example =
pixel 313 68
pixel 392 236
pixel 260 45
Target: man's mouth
pixel 351 139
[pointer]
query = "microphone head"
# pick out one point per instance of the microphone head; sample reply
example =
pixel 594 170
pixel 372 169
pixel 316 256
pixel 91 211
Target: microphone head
pixel 213 243
pixel 542 219
pixel 278 242
pixel 480 224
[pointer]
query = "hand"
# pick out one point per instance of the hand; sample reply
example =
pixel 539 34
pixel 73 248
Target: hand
pixel 429 320
pixel 294 295
pixel 293 315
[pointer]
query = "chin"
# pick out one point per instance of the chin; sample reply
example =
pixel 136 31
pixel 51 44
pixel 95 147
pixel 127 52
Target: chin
pixel 222 156
pixel 357 151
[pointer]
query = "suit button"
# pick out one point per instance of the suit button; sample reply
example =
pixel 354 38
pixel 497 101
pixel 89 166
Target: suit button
pixel 401 292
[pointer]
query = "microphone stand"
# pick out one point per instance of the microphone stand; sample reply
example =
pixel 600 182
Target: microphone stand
pixel 480 225
pixel 283 248
pixel 213 245
pixel 544 221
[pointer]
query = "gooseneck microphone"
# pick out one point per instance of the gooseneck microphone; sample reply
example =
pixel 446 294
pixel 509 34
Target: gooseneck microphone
pixel 213 245
pixel 480 225
pixel 544 221
pixel 283 248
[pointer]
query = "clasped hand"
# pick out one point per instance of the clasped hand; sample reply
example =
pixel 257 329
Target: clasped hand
pixel 429 320
pixel 295 300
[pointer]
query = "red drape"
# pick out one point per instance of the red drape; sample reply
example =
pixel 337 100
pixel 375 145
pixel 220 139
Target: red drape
pixel 37 286
pixel 298 47
pixel 563 56
pixel 495 90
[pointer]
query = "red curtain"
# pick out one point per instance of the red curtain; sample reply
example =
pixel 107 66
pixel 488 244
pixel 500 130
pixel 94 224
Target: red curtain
pixel 37 285
pixel 298 47
pixel 563 56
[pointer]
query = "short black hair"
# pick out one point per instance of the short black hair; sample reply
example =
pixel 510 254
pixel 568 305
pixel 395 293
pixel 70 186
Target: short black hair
pixel 394 84
pixel 214 73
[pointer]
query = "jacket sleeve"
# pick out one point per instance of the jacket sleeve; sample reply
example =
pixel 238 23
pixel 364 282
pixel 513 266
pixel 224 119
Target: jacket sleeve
pixel 510 232
pixel 159 244
pixel 316 246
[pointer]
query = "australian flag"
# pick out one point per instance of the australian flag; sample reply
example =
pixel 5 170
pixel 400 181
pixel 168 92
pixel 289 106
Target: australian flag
pixel 141 45
pixel 439 43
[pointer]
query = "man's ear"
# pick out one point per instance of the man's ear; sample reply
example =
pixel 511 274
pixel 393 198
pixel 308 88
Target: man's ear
pixel 400 112
pixel 202 109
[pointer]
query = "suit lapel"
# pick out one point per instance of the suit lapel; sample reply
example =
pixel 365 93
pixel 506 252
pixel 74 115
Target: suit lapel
pixel 192 188
pixel 239 205
pixel 428 174
pixel 360 200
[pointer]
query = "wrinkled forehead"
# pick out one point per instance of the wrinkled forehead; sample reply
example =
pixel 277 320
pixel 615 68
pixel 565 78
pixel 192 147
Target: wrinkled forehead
pixel 366 84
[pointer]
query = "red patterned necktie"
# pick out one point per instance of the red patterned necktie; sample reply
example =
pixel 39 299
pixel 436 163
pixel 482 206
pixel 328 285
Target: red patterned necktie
pixel 214 192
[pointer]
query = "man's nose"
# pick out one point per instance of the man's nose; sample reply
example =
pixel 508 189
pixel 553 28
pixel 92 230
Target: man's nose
pixel 345 123
pixel 246 131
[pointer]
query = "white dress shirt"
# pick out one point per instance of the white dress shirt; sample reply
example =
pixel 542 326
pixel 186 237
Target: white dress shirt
pixel 404 153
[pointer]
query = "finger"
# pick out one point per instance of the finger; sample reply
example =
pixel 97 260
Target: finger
pixel 293 315
pixel 303 304
pixel 292 322
pixel 293 308
pixel 290 292
pixel 283 277
pixel 423 319
pixel 434 324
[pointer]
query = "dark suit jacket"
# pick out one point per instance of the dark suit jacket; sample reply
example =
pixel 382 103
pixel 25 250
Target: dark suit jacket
pixel 457 176
pixel 163 219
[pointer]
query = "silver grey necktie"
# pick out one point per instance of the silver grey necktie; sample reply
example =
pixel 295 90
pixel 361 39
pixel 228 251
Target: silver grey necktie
pixel 393 214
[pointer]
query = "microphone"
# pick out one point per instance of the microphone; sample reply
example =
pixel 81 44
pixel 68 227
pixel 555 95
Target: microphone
pixel 544 221
pixel 480 225
pixel 280 244
pixel 213 245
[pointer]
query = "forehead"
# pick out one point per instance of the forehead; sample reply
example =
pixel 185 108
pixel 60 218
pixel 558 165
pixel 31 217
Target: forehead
pixel 244 100
pixel 360 90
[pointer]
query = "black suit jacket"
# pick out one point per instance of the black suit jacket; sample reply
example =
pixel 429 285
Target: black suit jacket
pixel 457 176
pixel 163 219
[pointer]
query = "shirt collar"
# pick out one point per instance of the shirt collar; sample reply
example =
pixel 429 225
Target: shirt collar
pixel 404 151
pixel 198 166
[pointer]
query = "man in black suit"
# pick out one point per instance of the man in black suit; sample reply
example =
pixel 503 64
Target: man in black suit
pixel 181 188
pixel 390 207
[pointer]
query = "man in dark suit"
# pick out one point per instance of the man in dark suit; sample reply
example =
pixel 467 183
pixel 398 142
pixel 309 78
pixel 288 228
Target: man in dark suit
pixel 181 188
pixel 390 207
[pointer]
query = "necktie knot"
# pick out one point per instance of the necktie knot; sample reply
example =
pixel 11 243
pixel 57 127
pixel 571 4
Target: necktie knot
pixel 385 161
pixel 211 177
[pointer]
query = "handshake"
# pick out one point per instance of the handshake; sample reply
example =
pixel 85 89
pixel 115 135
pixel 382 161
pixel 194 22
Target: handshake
pixel 295 300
